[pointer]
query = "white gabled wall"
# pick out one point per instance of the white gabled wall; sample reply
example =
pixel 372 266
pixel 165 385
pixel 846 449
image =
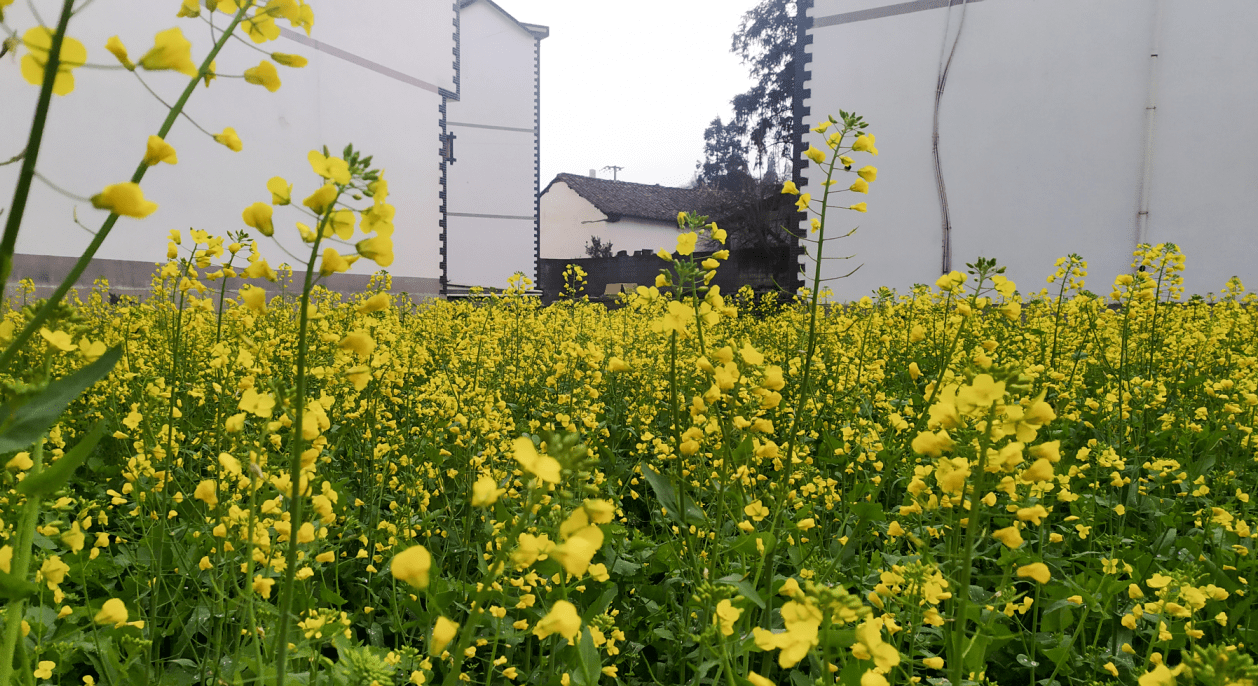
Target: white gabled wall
pixel 492 185
pixel 569 220
pixel 96 135
pixel 1042 136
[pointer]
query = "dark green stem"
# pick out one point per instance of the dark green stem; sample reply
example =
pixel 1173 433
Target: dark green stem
pixel 27 173
pixel 294 466
pixel 80 266
pixel 21 566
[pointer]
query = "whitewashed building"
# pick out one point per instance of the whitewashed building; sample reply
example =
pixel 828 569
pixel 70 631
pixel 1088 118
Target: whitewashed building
pixel 629 216
pixel 382 79
pixel 493 129
pixel 1025 130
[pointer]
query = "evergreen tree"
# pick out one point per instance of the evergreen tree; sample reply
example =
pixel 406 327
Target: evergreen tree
pixel 724 166
pixel 765 41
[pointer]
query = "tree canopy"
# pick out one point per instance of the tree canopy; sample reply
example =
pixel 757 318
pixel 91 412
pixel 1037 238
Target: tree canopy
pixel 765 41
pixel 761 130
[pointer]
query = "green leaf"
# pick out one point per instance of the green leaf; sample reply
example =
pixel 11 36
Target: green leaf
pixel 329 596
pixel 591 667
pixel 624 567
pixel 55 475
pixel 23 425
pixel 745 588
pixel 13 588
pixel 976 653
pixel 852 673
pixel 668 498
pixel 604 600
pixel 869 512
pixel 746 545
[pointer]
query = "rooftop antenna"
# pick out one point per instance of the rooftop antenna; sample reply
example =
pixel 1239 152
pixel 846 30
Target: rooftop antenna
pixel 614 169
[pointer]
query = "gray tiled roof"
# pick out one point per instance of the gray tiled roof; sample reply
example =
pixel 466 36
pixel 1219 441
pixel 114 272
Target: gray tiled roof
pixel 618 199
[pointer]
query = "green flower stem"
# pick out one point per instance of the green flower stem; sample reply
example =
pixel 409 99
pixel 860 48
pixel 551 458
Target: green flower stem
pixel 20 340
pixel 672 396
pixel 783 486
pixel 1061 294
pixel 1074 637
pixel 222 298
pixel 476 610
pixel 294 466
pixel 27 172
pixel 956 668
pixel 21 567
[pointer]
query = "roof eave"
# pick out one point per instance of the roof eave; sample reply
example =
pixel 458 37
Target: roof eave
pixel 536 30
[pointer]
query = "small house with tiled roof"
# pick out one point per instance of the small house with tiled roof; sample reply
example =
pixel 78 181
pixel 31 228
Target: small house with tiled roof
pixel 630 216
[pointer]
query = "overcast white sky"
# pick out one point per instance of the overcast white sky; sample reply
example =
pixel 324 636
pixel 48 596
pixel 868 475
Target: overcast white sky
pixel 633 84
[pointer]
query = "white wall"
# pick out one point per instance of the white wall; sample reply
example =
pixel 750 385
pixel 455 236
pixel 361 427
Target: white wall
pixel 96 135
pixel 492 185
pixel 1042 132
pixel 568 221
pixel 1205 166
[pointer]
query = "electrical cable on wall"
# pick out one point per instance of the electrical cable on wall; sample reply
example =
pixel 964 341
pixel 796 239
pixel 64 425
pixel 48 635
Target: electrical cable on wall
pixel 1144 187
pixel 946 220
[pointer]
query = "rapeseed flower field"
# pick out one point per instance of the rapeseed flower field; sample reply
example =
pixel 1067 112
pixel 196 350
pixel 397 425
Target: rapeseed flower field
pixel 500 491
pixel 970 482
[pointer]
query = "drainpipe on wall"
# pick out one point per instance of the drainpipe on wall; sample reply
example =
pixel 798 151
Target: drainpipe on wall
pixel 1144 191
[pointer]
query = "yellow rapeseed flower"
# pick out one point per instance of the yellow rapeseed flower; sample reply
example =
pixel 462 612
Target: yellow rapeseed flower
pixel 258 216
pixel 170 51
pixel 334 262
pixel 158 150
pixel 113 611
pixel 118 50
pixel 442 633
pixel 543 467
pixel 562 619
pixel 1035 570
pixel 865 143
pixel 1010 536
pixel 53 571
pixel 333 169
pixel 125 199
pixel 281 190
pixel 360 342
pixel 57 339
pixel 294 61
pixel 38 42
pixel 378 249
pixel 575 553
pixel 757 680
pixel 262 585
pixel 726 615
pixel 485 492
pixel 376 303
pixel 412 566
pixel 207 492
pixel 253 298
pixel 229 139
pixel 686 243
pixel 264 75
pixel 802 620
